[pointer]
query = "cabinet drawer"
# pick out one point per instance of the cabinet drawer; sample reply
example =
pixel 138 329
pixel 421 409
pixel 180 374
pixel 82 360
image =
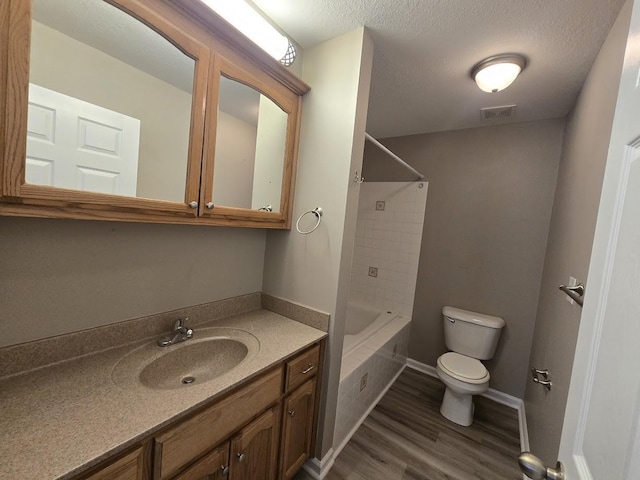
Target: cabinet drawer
pixel 129 467
pixel 302 367
pixel 178 446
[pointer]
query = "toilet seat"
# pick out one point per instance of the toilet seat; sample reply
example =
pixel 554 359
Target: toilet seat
pixel 465 369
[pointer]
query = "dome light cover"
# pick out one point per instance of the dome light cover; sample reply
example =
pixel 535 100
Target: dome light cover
pixel 497 73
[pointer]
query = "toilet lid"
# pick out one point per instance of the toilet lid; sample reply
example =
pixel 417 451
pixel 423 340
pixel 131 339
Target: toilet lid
pixel 463 368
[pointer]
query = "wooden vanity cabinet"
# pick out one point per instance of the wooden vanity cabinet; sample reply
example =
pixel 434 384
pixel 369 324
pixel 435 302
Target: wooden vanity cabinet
pixel 260 431
pixel 181 444
pixel 263 430
pixel 252 454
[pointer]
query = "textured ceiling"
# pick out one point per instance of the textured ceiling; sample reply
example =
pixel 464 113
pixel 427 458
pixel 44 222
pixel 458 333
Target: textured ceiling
pixel 424 50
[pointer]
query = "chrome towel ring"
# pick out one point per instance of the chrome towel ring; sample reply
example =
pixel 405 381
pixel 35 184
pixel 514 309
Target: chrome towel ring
pixel 318 213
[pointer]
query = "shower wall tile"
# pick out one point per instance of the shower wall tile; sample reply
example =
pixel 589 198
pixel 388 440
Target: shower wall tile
pixel 390 241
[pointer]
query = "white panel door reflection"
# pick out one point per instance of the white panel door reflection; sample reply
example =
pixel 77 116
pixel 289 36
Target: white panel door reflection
pixel 80 146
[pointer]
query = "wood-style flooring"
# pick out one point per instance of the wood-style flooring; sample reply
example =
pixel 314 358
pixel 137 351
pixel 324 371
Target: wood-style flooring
pixel 406 438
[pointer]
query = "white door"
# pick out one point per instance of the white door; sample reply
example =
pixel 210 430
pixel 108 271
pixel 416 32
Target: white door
pixel 77 145
pixel 601 433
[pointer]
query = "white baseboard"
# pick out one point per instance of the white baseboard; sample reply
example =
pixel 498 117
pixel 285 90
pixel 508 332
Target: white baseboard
pixel 318 469
pixel 495 395
pixel 422 367
pixel 524 431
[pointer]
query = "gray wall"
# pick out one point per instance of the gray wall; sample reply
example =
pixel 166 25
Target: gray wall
pixel 60 276
pixel 314 269
pixel 570 239
pixel 485 232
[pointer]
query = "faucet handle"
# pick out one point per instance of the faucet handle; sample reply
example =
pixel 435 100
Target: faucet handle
pixel 180 323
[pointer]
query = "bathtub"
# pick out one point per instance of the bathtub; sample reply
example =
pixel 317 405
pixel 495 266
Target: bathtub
pixel 374 354
pixel 361 323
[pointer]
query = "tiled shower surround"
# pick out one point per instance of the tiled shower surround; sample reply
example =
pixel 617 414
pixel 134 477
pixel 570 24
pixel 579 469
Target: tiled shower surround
pixel 388 244
pixel 388 239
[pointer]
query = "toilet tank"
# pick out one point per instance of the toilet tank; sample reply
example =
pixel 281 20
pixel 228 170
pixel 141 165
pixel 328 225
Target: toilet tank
pixel 472 334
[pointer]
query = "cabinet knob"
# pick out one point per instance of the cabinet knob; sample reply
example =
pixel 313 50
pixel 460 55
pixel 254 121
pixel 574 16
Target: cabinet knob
pixel 225 470
pixel 210 205
pixel 292 413
pixel 193 204
pixel 241 457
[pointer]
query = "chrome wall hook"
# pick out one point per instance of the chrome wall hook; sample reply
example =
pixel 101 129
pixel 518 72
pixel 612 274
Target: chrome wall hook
pixel 358 179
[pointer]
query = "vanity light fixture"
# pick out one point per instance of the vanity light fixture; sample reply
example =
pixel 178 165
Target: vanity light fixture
pixel 255 27
pixel 497 73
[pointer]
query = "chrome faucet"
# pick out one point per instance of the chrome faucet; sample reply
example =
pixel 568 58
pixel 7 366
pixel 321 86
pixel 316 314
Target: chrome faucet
pixel 180 334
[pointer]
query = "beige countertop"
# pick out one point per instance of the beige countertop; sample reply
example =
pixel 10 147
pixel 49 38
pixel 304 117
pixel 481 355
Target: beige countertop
pixel 60 420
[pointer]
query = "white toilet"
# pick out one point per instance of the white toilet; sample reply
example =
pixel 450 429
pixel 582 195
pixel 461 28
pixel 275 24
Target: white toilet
pixel 471 337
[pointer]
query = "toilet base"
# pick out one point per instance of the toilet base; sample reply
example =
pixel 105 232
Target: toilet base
pixel 457 407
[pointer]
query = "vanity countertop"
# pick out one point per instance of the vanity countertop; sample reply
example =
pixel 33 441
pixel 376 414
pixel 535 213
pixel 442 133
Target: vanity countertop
pixel 58 421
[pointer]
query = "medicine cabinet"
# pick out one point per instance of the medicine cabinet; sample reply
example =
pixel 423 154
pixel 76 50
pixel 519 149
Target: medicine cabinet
pixel 143 110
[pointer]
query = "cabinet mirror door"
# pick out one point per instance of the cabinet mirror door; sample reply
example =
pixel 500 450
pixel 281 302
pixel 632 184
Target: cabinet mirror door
pixel 109 107
pixel 252 152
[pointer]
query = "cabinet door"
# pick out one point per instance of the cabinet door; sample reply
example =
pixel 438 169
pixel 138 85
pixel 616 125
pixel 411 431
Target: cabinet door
pixel 297 429
pixel 101 122
pixel 254 451
pixel 250 147
pixel 213 466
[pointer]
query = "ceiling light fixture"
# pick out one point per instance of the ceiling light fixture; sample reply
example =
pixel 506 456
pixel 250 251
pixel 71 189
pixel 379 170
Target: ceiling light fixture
pixel 497 73
pixel 255 27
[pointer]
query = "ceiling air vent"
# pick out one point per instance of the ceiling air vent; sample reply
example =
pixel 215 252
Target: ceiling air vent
pixel 498 113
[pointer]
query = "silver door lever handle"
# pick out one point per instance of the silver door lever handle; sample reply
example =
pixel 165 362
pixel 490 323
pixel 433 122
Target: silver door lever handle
pixel 575 293
pixel 533 468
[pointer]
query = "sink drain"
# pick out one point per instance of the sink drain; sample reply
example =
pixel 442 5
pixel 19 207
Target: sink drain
pixel 188 380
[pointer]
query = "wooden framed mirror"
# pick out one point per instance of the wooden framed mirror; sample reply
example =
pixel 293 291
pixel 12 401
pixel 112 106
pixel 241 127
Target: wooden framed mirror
pixel 111 110
pixel 107 105
pixel 250 146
